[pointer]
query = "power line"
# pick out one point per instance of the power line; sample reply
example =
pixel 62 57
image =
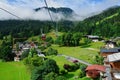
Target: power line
pixel 51 16
pixel 10 13
pixel 48 10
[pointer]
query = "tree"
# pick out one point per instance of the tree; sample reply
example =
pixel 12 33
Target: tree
pixel 35 61
pixel 6 52
pixel 76 38
pixel 51 51
pixel 61 78
pixel 98 59
pixel 51 66
pixel 50 76
pixel 59 40
pixel 48 66
pixel 87 41
pixel 38 73
pixel 49 40
pixel 54 76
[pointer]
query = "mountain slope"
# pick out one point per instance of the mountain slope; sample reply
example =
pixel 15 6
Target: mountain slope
pixel 106 14
pixel 105 24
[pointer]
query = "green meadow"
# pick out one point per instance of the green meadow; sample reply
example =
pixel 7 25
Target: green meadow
pixel 13 71
pixel 83 52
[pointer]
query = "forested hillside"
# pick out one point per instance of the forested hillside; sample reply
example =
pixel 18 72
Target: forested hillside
pixel 105 24
pixel 21 28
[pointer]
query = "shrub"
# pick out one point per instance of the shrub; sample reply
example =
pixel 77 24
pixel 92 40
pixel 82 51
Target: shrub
pixel 60 78
pixel 67 67
pixel 71 67
pixel 63 71
pixel 51 51
pixel 49 39
pixel 75 67
pixel 42 48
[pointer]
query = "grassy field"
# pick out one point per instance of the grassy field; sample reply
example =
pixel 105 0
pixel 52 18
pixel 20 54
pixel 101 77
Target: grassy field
pixel 60 60
pixel 109 17
pixel 86 52
pixel 13 71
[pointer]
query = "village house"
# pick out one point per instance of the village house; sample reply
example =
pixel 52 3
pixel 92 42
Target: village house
pixel 94 71
pixel 110 44
pixel 114 61
pixel 93 38
pixel 104 52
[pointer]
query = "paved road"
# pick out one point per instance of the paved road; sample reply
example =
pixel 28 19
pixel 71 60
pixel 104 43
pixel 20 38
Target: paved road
pixel 72 58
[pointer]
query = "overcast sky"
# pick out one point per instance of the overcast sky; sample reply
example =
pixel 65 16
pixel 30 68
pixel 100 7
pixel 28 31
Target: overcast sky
pixel 24 8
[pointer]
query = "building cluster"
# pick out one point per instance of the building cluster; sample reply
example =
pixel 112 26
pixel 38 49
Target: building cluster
pixel 111 68
pixel 22 47
pixel 112 62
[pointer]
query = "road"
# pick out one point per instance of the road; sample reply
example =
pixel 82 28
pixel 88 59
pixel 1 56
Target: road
pixel 72 58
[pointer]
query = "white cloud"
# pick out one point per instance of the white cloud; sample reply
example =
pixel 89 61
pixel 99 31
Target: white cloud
pixel 24 8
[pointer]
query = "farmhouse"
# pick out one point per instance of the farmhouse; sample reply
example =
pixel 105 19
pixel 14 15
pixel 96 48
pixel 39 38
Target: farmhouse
pixel 93 38
pixel 110 44
pixel 105 51
pixel 93 71
pixel 114 61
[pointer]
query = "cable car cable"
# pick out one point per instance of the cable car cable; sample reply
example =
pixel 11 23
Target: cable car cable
pixel 10 13
pixel 48 10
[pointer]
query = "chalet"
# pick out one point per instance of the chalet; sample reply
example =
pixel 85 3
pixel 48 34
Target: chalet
pixel 93 71
pixel 110 44
pixel 105 51
pixel 93 38
pixel 114 61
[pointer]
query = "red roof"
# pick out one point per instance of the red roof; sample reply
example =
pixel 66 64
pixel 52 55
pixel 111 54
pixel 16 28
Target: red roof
pixel 96 67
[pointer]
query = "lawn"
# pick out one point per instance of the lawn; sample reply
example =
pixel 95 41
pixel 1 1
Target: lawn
pixel 86 53
pixel 60 60
pixel 13 71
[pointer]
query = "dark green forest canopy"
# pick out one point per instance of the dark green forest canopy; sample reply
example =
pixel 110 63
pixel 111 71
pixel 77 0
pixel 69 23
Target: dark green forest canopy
pixel 105 24
pixel 24 28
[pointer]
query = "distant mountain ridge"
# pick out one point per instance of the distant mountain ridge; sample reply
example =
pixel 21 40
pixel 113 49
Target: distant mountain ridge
pixel 67 13
pixel 64 10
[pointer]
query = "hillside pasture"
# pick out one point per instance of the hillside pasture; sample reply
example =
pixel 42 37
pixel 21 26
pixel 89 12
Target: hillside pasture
pixel 13 71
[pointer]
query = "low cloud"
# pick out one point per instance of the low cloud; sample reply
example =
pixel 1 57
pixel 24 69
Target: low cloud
pixel 24 8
